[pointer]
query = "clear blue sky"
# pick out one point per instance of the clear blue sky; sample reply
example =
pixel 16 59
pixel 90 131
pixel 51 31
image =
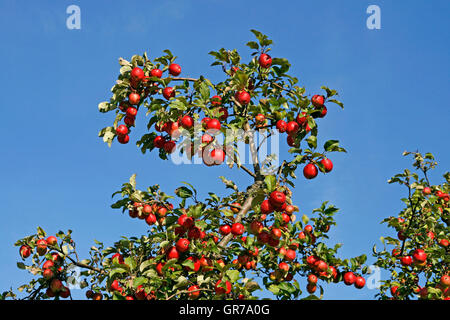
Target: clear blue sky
pixel 57 174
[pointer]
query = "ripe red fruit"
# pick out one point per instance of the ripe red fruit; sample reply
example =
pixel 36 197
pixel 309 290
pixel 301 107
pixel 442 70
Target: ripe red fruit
pixel 260 117
pixel 48 264
pixel 237 228
pixel 121 130
pixel 159 141
pixel 426 191
pixel 64 293
pixel 321 266
pixel 277 198
pixel 187 122
pixel 213 124
pixel 318 100
pixel 281 126
pixel 216 100
pixel 308 228
pixel 301 118
pixel 283 266
pixel 264 237
pixel 172 253
pixel 359 282
pixel 129 121
pixel 311 288
pixel 56 285
pixel 156 73
pixel 206 138
pixel 349 278
pixel 224 229
pixel 48 274
pixel 401 236
pixel 185 221
pixel 265 61
pixel 174 69
pixel 406 260
pixel 444 242
pixel 310 171
pixel 327 164
pixel 312 279
pixel 151 219
pixel 140 293
pixel 220 290
pixel 168 93
pixel 50 293
pixel 290 254
pixel 323 112
pixel 194 233
pixel 123 139
pixel 291 141
pixel 217 156
pixel 285 218
pixel 134 98
pixel 115 285
pixel 266 207
pixel 41 246
pixel 292 128
pixel 169 146
pixel 25 251
pixel 182 245
pixel 256 227
pixel 445 280
pixel 243 97
pixel 131 113
pixel 194 292
pixel 137 74
pixel 419 255
pixel 276 233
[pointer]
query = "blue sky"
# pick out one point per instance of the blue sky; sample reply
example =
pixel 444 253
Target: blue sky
pixel 57 174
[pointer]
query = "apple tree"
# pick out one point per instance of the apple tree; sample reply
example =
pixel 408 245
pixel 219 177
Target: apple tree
pixel 233 246
pixel 418 259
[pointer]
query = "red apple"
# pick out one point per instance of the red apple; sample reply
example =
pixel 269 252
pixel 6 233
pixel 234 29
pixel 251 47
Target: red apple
pixel 265 61
pixel 327 164
pixel 168 92
pixel 237 228
pixel 156 73
pixel 187 122
pixel 137 74
pixel 277 199
pixel 310 171
pixel 349 278
pixel 134 98
pixel 318 100
pixel 224 229
pixel 359 282
pixel 174 69
pixel 172 253
pixel 243 97
pixel 25 251
pixel 281 126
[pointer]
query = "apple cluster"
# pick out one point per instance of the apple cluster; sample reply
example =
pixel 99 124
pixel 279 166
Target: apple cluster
pixel 51 269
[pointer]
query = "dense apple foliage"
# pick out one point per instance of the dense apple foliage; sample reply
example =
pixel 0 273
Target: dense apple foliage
pixel 221 247
pixel 418 258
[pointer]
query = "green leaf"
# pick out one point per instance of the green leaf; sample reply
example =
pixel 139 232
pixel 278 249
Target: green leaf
pixel 312 141
pixel 233 275
pixel 183 192
pixel 271 182
pixel 139 281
